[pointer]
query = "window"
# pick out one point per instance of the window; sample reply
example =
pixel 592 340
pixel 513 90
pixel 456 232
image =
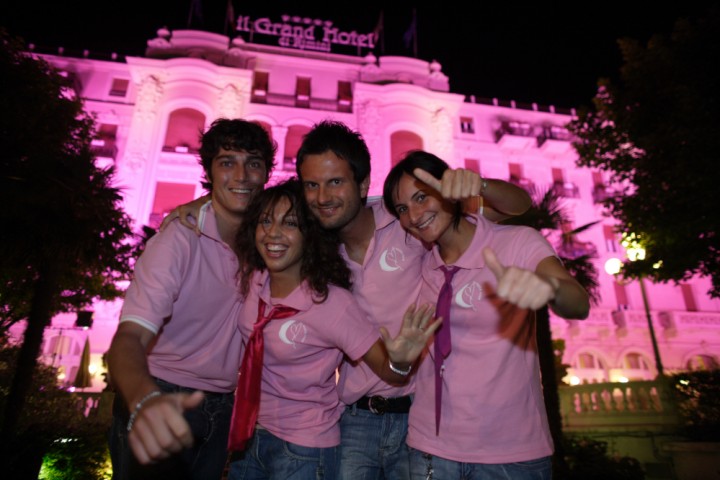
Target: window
pixel 516 177
pixel 402 142
pixel 636 361
pixel 293 139
pixel 472 165
pixel 466 125
pixel 621 296
pixel 260 87
pixel 119 87
pixel 611 244
pixel 302 92
pixel 588 360
pixel 703 362
pixel 689 297
pixel 185 126
pixel 600 190
pixel 103 145
pixel 345 97
pixel 516 172
pixel 167 197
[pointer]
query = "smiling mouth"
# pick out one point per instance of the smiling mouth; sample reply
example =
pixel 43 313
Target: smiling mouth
pixel 425 224
pixel 275 250
pixel 241 191
pixel 326 211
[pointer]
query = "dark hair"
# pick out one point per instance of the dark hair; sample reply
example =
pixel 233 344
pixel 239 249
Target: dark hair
pixel 424 161
pixel 342 141
pixel 321 260
pixel 237 135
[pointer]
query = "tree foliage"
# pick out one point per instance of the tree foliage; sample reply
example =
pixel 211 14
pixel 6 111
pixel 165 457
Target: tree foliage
pixel 65 240
pixel 655 131
pixel 38 433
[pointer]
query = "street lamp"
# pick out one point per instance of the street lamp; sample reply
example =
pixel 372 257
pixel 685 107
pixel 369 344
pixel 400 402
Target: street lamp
pixel 613 266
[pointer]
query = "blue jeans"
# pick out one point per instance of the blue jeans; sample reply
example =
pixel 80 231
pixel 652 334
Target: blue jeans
pixel 373 446
pixel 269 457
pixel 424 466
pixel 210 424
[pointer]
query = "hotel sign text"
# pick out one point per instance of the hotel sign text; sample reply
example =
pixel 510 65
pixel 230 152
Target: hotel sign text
pixel 305 33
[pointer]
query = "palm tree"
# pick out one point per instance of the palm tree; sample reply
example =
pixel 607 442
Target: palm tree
pixel 548 215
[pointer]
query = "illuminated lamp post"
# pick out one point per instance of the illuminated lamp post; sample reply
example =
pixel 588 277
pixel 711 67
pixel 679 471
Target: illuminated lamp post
pixel 634 251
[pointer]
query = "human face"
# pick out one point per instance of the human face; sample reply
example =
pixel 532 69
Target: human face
pixel 278 239
pixel 236 177
pixel 330 189
pixel 421 210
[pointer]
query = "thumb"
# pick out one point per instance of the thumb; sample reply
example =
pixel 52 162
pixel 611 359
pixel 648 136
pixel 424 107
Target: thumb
pixel 493 263
pixel 191 401
pixel 385 335
pixel 427 178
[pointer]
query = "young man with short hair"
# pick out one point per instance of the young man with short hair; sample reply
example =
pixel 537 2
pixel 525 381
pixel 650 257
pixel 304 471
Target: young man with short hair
pixel 174 358
pixel 333 164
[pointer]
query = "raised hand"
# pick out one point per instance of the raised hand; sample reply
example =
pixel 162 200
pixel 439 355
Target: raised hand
pixel 456 184
pixel 186 211
pixel 417 328
pixel 521 287
pixel 160 429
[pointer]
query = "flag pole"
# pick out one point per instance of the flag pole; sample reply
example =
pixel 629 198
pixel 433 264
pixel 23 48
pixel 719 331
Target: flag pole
pixel 415 36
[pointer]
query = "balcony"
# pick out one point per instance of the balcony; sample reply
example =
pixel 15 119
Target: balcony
pixel 601 193
pixel 515 135
pixel 283 100
pixel 555 140
pixel 194 150
pixel 521 182
pixel 619 406
pixel 576 248
pixel 102 148
pixel 566 190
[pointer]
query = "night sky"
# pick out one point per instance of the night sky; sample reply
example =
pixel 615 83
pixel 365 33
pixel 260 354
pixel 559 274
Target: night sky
pixel 551 53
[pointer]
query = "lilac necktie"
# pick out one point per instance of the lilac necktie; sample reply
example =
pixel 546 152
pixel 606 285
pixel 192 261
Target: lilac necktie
pixel 247 395
pixel 442 338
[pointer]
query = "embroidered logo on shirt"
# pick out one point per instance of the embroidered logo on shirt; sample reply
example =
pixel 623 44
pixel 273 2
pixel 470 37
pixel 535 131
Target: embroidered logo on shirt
pixel 292 332
pixel 391 259
pixel 469 295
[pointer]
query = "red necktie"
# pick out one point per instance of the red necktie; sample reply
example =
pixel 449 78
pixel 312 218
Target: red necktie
pixel 442 338
pixel 247 395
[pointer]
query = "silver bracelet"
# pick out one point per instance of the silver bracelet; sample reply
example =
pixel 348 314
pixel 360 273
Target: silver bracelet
pixel 399 371
pixel 483 185
pixel 139 405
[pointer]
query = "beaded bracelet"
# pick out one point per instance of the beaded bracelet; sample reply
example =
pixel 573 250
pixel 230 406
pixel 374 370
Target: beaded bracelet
pixel 400 371
pixel 139 405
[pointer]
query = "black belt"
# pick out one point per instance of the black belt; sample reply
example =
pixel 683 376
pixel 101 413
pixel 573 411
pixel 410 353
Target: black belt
pixel 379 405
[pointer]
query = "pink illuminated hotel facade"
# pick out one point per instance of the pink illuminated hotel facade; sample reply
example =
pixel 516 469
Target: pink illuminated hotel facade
pixel 150 109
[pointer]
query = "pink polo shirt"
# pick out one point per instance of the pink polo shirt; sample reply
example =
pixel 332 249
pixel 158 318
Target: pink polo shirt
pixel 384 285
pixel 299 401
pixel 184 290
pixel 492 403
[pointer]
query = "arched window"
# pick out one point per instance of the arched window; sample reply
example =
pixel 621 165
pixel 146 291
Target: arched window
pixel 401 142
pixel 587 367
pixel 185 126
pixel 703 362
pixel 293 140
pixel 637 366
